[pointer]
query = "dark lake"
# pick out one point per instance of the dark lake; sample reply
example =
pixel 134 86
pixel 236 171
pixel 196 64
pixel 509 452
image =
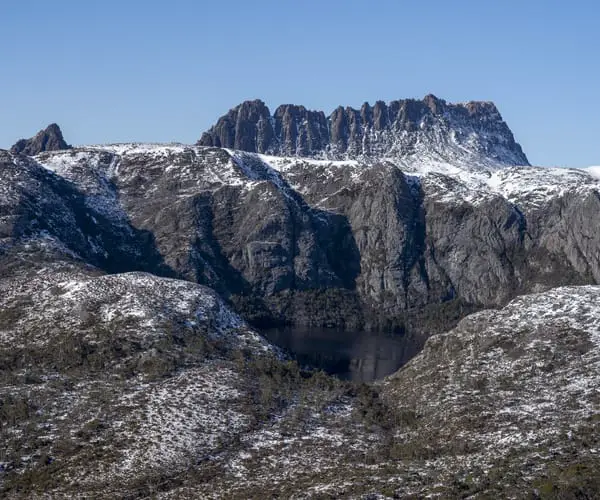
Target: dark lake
pixel 351 355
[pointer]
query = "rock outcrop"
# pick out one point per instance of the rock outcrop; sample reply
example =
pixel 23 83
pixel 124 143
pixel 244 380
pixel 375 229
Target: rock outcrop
pixel 49 139
pixel 400 129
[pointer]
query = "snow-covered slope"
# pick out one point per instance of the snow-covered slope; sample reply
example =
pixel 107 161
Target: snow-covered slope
pixel 96 169
pixel 454 181
pixel 593 171
pixel 518 386
pixel 457 182
pixel 472 180
pixel 120 375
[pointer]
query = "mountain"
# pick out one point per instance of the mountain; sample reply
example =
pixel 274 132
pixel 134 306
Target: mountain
pixel 106 379
pixel 406 128
pixel 130 276
pixel 377 242
pixel 49 139
pixel 512 390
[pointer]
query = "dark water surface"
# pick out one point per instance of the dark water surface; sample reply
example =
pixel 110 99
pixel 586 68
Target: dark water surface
pixel 351 355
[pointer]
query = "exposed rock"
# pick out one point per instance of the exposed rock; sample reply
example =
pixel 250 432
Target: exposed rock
pixel 400 129
pixel 44 213
pixel 299 131
pixel 49 139
pixel 278 236
pixel 246 127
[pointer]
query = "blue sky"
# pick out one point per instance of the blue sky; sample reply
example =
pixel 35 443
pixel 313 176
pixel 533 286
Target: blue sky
pixel 116 71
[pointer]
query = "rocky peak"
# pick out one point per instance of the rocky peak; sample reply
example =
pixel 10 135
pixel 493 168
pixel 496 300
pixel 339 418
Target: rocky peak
pixel 436 106
pixel 246 127
pixel 49 139
pixel 431 127
pixel 481 108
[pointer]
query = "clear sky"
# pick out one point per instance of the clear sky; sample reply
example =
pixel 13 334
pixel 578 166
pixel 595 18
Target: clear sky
pixel 128 70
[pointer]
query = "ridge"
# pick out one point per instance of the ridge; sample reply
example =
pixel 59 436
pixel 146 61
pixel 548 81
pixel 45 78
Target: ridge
pixel 403 129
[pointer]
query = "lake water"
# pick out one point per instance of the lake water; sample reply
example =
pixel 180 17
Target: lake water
pixel 350 355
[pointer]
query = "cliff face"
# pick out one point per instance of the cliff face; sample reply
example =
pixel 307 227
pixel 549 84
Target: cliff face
pixel 400 129
pixel 310 241
pixel 425 210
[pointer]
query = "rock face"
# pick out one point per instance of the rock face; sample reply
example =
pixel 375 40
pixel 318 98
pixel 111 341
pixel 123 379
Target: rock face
pixel 400 129
pixel 43 212
pixel 49 139
pixel 309 241
pixel 376 240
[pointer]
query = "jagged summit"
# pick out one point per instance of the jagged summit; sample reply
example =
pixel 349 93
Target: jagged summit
pixel 49 139
pixel 430 127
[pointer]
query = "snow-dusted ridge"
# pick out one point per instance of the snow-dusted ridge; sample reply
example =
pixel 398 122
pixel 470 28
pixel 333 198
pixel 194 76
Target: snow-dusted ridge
pixel 144 301
pixel 532 369
pixel 139 147
pixel 131 324
pixel 593 171
pixel 474 180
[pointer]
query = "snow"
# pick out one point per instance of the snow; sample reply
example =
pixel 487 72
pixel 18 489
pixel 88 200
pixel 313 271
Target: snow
pixel 539 358
pixel 152 422
pixel 453 182
pixel 140 303
pixel 182 417
pixel 534 186
pixel 459 176
pixel 90 171
pixel 593 171
pixel 137 148
pixel 282 163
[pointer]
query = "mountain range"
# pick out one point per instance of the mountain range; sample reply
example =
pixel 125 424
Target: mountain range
pixel 401 128
pixel 380 238
pixel 134 277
